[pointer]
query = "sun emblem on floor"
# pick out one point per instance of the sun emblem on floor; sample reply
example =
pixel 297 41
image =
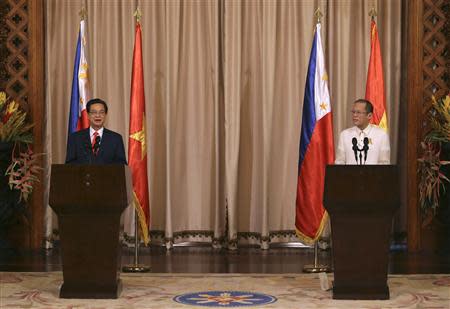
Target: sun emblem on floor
pixel 225 299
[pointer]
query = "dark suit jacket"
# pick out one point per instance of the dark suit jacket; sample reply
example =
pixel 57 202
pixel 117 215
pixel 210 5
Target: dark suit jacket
pixel 111 150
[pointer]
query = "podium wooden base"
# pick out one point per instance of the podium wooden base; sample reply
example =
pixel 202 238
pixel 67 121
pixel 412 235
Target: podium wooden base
pixel 90 291
pixel 359 292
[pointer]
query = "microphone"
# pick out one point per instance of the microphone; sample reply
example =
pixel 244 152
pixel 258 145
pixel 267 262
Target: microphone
pixel 355 148
pixel 96 144
pixel 365 148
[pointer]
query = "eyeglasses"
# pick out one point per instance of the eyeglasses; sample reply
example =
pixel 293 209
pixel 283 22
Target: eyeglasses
pixel 358 113
pixel 97 113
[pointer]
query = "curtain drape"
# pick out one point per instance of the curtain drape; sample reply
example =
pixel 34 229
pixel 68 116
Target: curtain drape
pixel 224 84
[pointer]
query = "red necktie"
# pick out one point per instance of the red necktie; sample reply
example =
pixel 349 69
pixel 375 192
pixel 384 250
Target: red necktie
pixel 94 151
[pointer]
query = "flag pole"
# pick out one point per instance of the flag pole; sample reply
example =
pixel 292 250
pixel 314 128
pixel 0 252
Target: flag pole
pixel 316 267
pixel 373 13
pixel 318 14
pixel 82 13
pixel 136 267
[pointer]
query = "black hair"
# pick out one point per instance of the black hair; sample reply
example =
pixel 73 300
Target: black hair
pixel 96 101
pixel 369 105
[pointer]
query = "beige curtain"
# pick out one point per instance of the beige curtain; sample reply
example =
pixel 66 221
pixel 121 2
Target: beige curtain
pixel 224 85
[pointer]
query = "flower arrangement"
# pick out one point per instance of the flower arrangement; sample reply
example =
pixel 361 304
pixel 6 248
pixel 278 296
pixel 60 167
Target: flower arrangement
pixel 432 178
pixel 13 126
pixel 22 168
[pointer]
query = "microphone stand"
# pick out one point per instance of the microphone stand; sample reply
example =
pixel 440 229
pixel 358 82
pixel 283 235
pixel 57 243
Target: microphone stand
pixel 357 150
pixel 136 267
pixel 365 149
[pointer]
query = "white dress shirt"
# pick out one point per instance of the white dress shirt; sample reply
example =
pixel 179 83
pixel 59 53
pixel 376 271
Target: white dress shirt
pixel 379 151
pixel 92 131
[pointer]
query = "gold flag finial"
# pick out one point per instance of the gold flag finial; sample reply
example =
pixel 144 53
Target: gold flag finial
pixel 82 13
pixel 138 15
pixel 318 14
pixel 373 12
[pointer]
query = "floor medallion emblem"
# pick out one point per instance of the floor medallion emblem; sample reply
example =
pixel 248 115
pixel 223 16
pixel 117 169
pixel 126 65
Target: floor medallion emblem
pixel 225 299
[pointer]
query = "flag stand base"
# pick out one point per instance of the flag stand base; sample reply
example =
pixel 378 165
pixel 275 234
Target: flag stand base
pixel 310 268
pixel 316 267
pixel 136 267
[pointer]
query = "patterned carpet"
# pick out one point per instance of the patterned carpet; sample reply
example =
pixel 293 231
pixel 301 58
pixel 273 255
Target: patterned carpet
pixel 40 290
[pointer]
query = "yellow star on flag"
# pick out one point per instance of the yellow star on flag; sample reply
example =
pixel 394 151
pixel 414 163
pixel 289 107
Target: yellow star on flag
pixel 140 137
pixel 325 76
pixel 323 106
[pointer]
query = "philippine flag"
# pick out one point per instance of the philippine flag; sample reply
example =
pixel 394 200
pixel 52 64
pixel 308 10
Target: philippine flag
pixel 316 147
pixel 80 85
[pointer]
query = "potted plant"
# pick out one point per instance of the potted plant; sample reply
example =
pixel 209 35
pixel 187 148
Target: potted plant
pixel 434 166
pixel 18 163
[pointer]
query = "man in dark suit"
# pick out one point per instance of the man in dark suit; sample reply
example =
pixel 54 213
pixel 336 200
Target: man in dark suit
pixel 96 144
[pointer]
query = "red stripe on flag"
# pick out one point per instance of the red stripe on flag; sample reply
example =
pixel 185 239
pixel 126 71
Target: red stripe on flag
pixel 310 213
pixel 83 121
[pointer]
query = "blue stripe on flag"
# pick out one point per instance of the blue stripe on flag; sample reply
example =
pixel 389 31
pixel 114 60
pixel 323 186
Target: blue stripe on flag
pixel 75 96
pixel 309 111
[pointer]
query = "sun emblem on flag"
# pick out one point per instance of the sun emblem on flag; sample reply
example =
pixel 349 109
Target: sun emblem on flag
pixel 225 299
pixel 323 106
pixel 83 71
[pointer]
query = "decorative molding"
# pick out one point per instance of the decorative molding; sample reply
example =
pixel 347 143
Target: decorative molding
pixel 22 78
pixel 427 75
pixel 414 95
pixel 36 102
pixel 209 235
pixel 4 52
pixel 16 65
pixel 435 55
pixel 446 32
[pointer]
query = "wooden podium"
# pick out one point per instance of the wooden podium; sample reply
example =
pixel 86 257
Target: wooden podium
pixel 361 201
pixel 89 200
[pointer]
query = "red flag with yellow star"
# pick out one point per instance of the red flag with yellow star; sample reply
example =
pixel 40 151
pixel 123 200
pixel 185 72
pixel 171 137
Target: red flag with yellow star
pixel 137 150
pixel 375 80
